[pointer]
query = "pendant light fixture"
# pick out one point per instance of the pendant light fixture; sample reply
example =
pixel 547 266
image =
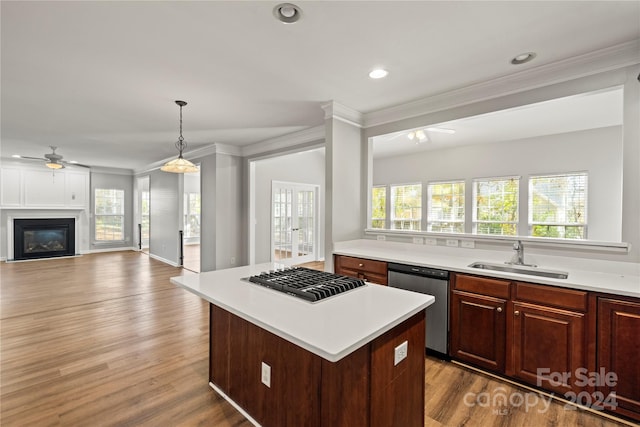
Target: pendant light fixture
pixel 180 165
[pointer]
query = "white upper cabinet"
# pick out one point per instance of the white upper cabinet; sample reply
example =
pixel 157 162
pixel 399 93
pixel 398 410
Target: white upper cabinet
pixel 42 188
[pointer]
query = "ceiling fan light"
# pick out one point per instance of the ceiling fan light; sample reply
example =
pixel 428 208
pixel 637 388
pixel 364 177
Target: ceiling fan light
pixel 179 165
pixel 54 165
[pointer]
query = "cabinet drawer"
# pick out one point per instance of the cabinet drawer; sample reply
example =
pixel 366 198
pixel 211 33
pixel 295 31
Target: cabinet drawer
pixel 549 295
pixel 370 266
pixel 482 285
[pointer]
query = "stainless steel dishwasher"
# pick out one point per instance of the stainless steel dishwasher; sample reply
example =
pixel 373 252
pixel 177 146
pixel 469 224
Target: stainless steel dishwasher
pixel 429 281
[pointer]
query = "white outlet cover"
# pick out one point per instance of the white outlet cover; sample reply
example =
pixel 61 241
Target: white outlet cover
pixel 470 244
pixel 418 240
pixel 452 242
pixel 381 237
pixel 266 374
pixel 431 241
pixel 400 353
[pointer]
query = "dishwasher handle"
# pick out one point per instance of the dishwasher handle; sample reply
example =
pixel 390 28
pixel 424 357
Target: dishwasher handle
pixel 419 271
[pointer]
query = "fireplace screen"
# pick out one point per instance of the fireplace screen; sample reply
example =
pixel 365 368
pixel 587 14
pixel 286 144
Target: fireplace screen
pixel 45 241
pixel 43 238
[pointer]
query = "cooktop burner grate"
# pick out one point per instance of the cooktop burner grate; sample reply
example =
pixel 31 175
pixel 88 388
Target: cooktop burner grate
pixel 305 283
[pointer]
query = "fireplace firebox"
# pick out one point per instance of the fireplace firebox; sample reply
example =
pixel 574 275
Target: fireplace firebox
pixel 43 238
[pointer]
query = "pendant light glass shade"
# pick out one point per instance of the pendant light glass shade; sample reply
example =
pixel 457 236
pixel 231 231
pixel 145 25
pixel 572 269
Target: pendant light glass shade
pixel 180 165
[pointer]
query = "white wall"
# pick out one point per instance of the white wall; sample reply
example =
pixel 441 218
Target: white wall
pixel 344 185
pixel 305 167
pixel 165 201
pixel 229 230
pixel 598 152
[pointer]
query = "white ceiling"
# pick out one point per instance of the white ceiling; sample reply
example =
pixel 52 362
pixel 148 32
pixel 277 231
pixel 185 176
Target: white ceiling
pixel 99 79
pixel 590 110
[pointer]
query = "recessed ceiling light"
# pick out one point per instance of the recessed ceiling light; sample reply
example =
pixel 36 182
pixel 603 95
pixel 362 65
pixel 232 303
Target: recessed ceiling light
pixel 287 13
pixel 523 57
pixel 378 73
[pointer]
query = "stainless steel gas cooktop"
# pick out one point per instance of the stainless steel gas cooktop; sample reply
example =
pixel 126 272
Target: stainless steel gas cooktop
pixel 305 283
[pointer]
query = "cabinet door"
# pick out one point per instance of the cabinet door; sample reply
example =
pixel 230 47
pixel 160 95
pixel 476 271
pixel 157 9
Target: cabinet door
pixel 618 343
pixel 478 331
pixel 548 346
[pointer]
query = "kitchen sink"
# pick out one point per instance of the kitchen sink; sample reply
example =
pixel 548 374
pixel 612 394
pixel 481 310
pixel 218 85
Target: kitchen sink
pixel 532 271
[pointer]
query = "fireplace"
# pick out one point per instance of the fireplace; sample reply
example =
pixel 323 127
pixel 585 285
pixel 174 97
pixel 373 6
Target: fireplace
pixel 43 238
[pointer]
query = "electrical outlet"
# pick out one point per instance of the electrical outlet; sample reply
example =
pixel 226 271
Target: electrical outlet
pixel 400 353
pixel 381 237
pixel 266 375
pixel 452 242
pixel 470 244
pixel 418 240
pixel 233 260
pixel 431 241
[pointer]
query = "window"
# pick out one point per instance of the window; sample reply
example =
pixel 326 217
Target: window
pixel 495 209
pixel 378 206
pixel 109 215
pixel 191 215
pixel 558 206
pixel 406 207
pixel 445 207
pixel 144 213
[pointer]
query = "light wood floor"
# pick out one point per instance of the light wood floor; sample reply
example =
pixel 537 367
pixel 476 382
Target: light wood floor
pixel 106 340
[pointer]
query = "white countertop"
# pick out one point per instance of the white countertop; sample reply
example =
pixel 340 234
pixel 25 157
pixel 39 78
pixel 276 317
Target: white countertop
pixel 331 328
pixel 619 278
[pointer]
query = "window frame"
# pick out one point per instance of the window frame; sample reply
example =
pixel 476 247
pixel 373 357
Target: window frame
pixel 530 211
pixel 475 221
pixel 385 207
pixel 97 215
pixel 392 208
pixel 429 207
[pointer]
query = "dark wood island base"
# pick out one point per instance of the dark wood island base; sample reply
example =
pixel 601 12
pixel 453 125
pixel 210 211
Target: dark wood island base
pixel 362 389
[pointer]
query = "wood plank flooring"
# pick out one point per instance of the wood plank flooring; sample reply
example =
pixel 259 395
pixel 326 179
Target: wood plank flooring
pixel 106 340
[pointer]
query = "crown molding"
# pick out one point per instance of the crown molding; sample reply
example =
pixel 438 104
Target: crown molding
pixel 337 111
pixel 607 59
pixel 284 142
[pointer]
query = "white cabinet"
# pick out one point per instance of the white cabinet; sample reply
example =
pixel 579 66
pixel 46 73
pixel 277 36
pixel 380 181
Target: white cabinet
pixel 11 187
pixel 76 189
pixel 42 188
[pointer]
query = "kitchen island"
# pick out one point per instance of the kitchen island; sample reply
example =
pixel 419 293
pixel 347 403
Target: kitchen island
pixel 283 361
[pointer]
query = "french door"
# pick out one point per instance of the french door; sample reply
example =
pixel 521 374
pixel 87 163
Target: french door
pixel 293 222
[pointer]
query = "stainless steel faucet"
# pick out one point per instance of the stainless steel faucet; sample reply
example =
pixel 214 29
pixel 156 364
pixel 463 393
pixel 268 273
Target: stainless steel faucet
pixel 518 257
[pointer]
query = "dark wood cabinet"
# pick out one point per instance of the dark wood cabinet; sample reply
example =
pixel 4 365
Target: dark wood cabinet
pixel 523 330
pixel 478 330
pixel 549 336
pixel 367 269
pixel 618 334
pixel 548 341
pixel 365 388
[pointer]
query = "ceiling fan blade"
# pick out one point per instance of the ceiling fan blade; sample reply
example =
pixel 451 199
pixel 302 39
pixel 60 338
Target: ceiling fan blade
pixel 74 164
pixel 34 158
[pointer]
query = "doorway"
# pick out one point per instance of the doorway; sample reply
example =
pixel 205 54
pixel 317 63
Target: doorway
pixel 144 224
pixel 191 222
pixel 294 225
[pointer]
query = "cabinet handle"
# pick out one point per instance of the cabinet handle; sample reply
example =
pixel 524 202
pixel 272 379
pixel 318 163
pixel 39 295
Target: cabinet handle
pixel 516 313
pixel 499 309
pixel 361 265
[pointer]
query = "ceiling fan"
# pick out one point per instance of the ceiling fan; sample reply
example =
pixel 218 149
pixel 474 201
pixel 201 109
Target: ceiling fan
pixel 52 160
